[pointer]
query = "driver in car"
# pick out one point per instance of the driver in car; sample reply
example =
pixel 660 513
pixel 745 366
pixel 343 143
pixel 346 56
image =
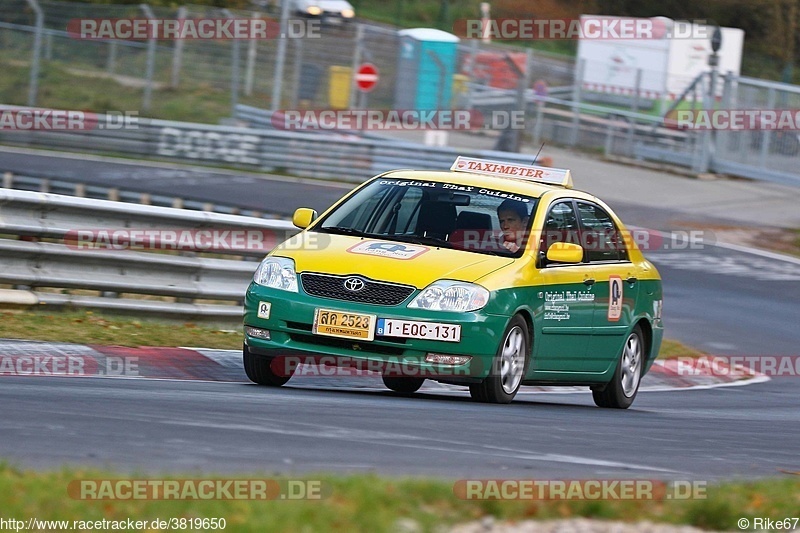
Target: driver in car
pixel 513 216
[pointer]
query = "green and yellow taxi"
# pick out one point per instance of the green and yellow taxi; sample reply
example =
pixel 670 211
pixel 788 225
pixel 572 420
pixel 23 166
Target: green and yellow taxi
pixel 491 275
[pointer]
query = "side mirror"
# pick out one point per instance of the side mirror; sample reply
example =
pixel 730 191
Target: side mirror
pixel 303 217
pixel 565 252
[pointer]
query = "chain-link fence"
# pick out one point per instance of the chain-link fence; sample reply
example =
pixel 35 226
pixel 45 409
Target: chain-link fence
pixel 152 75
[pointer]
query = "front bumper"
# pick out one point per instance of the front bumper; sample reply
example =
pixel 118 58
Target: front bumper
pixel 292 315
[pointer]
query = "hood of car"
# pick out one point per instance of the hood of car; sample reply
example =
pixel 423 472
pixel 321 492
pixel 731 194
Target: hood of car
pixel 392 261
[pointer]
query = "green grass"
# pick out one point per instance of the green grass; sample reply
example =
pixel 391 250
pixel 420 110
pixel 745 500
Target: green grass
pixel 60 88
pixel 373 503
pixel 88 327
pixel 671 349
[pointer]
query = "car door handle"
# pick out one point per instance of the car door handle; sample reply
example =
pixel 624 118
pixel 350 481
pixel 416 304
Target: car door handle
pixel 588 281
pixel 631 279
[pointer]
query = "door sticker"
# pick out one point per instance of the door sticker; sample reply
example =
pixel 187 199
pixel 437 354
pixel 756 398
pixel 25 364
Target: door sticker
pixel 614 298
pixel 556 303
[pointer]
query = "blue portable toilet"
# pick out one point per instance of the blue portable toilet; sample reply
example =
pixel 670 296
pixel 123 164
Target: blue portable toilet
pixel 425 69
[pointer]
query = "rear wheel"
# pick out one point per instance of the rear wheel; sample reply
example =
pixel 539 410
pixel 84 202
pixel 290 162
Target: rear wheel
pixel 508 366
pixel 620 392
pixel 403 385
pixel 260 369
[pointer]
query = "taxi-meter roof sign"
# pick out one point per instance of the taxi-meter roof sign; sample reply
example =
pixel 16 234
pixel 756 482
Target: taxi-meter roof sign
pixel 552 176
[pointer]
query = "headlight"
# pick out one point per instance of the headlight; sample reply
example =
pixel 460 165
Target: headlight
pixel 451 296
pixel 278 273
pixel 314 10
pixel 348 13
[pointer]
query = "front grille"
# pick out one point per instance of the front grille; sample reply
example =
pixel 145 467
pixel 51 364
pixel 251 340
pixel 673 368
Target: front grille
pixel 374 292
pixel 332 342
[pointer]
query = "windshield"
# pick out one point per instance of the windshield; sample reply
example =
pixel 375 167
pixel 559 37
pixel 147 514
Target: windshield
pixel 446 215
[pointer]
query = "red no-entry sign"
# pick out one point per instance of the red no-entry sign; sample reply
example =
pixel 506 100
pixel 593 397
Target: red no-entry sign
pixel 366 77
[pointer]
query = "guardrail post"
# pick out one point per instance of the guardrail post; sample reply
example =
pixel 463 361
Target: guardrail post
pixel 766 135
pixel 356 61
pixel 576 100
pixel 235 49
pixel 280 57
pixel 473 54
pixel 522 101
pixel 111 62
pixel 723 137
pixel 609 138
pixel 177 203
pixel 113 194
pixel 33 88
pixel 252 50
pixel 298 64
pixel 635 109
pixel 44 186
pixel 80 190
pixel 145 199
pixel 151 60
pixel 8 180
pixel 48 46
pixel 538 125
pixel 177 53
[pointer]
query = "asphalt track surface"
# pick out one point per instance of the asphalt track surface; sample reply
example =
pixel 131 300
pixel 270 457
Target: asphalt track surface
pixel 277 195
pixel 748 431
pixel 725 301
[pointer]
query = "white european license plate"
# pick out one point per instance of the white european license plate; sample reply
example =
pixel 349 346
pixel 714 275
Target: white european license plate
pixel 413 329
pixel 344 325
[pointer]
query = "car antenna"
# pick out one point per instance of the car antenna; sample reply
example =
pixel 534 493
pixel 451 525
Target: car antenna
pixel 537 153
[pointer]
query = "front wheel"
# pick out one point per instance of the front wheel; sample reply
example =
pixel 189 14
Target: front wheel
pixel 508 366
pixel 620 392
pixel 259 369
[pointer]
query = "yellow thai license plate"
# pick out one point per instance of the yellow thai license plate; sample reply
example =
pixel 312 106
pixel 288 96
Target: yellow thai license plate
pixel 344 325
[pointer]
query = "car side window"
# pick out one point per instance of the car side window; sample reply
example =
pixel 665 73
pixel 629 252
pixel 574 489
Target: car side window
pixel 561 225
pixel 599 235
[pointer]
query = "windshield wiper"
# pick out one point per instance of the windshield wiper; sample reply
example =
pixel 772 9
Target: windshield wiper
pixel 419 239
pixel 343 230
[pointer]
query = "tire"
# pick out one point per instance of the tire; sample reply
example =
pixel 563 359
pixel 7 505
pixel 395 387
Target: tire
pixel 508 366
pixel 620 392
pixel 259 369
pixel 403 385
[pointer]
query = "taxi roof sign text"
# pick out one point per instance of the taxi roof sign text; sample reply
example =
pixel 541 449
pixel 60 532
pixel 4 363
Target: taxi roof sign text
pixel 552 176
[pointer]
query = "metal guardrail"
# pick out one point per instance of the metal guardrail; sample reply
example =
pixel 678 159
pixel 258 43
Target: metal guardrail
pixel 135 281
pixel 24 182
pixel 340 157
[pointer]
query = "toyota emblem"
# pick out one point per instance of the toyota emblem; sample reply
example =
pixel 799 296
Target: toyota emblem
pixel 354 284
